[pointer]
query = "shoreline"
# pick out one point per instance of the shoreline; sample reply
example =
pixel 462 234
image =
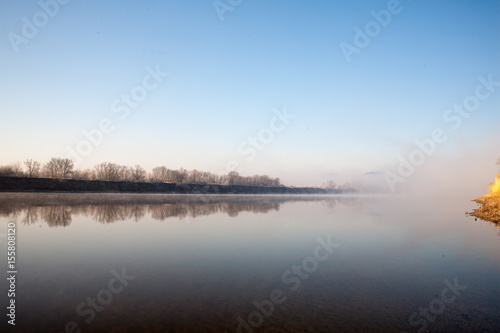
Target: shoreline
pixel 489 209
pixel 49 185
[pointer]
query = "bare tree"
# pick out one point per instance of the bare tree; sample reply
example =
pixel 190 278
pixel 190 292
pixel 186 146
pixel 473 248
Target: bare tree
pixel 18 170
pixel 124 172
pixel 66 166
pixel 59 167
pixel 181 175
pixel 171 176
pixel 13 170
pixel 218 179
pixel 137 173
pixel 32 168
pixel 208 178
pixel 102 171
pixel 178 176
pixel 6 171
pixel 160 174
pixel 276 181
pixel 82 174
pixel 51 168
pixel 194 177
pixel 233 178
pixel 110 172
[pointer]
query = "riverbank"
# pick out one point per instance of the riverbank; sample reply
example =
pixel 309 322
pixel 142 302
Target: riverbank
pixel 24 184
pixel 489 209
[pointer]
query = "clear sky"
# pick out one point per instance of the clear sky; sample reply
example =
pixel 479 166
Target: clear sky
pixel 231 68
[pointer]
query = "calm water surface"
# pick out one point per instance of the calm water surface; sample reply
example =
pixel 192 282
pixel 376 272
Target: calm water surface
pixel 163 263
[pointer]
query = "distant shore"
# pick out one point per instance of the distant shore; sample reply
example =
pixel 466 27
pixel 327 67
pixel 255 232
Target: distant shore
pixel 25 184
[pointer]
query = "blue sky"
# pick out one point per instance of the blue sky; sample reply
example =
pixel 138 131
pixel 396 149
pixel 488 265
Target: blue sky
pixel 225 78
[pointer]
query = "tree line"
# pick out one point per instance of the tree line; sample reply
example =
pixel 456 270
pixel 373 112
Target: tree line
pixel 64 168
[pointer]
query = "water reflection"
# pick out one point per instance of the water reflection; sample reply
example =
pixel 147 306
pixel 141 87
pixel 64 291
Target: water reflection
pixel 395 254
pixel 58 210
pixel 56 215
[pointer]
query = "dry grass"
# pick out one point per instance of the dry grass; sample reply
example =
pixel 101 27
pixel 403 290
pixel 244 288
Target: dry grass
pixel 490 208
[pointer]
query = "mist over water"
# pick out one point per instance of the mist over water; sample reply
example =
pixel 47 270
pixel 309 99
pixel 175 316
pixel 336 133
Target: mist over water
pixel 464 171
pixel 202 263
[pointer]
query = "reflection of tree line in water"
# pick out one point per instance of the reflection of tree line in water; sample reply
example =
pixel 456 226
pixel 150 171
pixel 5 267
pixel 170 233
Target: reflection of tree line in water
pixel 61 215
